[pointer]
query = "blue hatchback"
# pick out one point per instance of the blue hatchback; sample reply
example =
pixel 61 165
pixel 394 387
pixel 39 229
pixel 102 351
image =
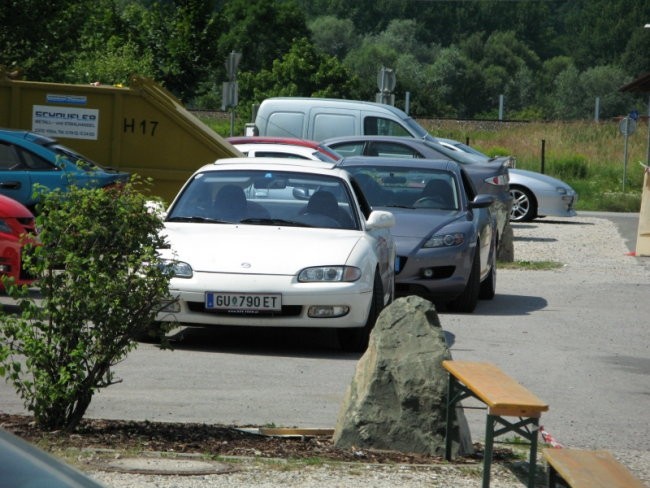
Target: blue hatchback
pixel 31 163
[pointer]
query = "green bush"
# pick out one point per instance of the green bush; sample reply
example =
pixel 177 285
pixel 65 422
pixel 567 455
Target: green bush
pixel 570 167
pixel 100 286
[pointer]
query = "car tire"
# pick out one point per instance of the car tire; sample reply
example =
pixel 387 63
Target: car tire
pixel 356 339
pixel 489 285
pixel 151 334
pixel 524 205
pixel 466 301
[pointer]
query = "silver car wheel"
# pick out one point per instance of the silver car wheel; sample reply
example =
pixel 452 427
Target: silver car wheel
pixel 523 205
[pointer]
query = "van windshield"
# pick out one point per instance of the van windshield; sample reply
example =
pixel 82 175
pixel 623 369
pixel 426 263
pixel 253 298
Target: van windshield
pixel 416 129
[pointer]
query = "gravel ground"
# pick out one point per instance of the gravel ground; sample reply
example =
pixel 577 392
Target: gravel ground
pixel 556 239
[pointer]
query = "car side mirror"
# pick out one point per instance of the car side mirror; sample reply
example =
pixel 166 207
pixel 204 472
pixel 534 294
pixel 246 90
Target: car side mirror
pixel 380 219
pixel 481 201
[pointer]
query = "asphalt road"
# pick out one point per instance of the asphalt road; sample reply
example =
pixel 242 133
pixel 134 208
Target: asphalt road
pixel 578 340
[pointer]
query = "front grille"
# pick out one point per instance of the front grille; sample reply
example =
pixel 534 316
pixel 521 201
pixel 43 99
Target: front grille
pixel 287 311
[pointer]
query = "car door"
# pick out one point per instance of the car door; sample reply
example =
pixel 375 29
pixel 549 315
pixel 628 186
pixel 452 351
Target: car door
pixel 384 244
pixel 22 170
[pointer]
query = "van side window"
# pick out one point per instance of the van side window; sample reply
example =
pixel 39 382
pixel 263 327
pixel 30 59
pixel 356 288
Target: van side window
pixel 328 125
pixel 379 126
pixel 285 124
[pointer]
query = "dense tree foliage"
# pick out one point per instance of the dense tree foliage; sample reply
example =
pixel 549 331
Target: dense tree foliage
pixel 548 58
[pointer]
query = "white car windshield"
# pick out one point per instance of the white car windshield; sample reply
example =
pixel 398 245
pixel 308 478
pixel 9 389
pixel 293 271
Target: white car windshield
pixel 263 197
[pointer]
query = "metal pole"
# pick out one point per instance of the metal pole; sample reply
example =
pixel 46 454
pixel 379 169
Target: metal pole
pixel 407 102
pixel 543 154
pixel 647 159
pixel 597 110
pixel 500 107
pixel 627 132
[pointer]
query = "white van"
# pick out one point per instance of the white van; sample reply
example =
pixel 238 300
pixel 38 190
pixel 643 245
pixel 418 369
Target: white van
pixel 318 119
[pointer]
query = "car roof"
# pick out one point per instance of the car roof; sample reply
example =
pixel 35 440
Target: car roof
pixel 27 136
pixel 285 164
pixel 371 138
pixel 295 141
pixel 440 164
pixel 336 102
pixel 249 142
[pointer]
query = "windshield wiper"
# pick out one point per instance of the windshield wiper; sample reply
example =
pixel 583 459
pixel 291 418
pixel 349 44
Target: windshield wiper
pixel 398 206
pixel 261 221
pixel 197 218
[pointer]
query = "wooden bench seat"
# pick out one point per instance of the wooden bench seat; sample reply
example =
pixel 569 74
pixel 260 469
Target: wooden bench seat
pixel 579 468
pixel 503 397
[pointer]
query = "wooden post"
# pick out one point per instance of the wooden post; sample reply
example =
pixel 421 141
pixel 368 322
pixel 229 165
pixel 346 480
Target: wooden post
pixel 643 235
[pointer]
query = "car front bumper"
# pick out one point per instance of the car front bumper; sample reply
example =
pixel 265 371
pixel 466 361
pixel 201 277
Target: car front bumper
pixel 297 298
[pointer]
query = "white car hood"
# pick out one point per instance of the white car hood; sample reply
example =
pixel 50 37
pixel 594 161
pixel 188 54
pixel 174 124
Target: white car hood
pixel 256 248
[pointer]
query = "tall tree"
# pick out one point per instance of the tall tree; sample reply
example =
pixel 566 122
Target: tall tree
pixel 262 31
pixel 40 38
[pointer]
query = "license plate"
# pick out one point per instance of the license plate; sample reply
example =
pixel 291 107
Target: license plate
pixel 243 301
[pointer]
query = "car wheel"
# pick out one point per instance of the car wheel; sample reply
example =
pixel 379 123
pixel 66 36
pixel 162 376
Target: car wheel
pixel 489 284
pixel 153 333
pixel 524 206
pixel 356 339
pixel 466 301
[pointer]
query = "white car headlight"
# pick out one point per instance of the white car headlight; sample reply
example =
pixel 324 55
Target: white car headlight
pixel 178 269
pixel 445 240
pixel 329 273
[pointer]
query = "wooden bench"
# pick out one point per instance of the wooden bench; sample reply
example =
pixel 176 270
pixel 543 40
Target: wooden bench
pixel 587 469
pixel 504 397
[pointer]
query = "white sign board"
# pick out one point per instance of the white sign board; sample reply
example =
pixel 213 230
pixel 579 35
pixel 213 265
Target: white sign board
pixel 69 122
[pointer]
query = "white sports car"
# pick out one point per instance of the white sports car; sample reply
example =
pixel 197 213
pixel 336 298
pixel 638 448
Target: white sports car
pixel 533 194
pixel 278 242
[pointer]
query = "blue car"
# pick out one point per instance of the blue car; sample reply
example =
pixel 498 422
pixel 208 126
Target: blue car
pixel 29 160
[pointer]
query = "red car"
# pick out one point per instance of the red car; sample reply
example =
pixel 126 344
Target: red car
pixel 16 221
pixel 258 146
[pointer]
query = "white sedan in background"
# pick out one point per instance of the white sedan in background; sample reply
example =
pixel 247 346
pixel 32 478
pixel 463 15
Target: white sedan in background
pixel 533 194
pixel 280 243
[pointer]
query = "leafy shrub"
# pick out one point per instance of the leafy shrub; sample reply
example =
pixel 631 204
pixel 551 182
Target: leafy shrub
pixel 100 287
pixel 496 151
pixel 570 167
pixel 620 202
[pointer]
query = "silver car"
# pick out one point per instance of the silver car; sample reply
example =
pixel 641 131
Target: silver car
pixel 533 194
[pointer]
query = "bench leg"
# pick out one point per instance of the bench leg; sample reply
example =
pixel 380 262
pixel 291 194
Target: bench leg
pixel 552 477
pixel 487 451
pixel 451 404
pixel 532 460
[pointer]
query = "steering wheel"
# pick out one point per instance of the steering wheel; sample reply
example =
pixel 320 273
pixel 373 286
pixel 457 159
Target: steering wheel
pixel 429 202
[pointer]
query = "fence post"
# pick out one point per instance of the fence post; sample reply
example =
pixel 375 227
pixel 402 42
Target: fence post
pixel 543 155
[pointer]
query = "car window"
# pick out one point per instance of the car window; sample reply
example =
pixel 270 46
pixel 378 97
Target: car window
pixel 379 126
pixel 391 149
pixel 278 154
pixel 346 149
pixel 406 187
pixel 8 156
pixel 262 197
pixel 14 158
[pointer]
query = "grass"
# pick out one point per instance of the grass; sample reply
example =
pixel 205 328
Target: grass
pixel 589 156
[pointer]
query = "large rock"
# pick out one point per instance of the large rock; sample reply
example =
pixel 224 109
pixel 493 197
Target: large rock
pixel 397 398
pixel 506 249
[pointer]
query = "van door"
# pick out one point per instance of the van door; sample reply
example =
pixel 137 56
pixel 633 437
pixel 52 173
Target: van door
pixel 327 124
